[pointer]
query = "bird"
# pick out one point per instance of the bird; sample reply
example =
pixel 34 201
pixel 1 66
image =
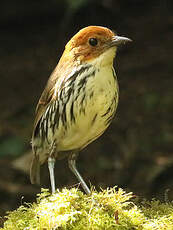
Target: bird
pixel 78 102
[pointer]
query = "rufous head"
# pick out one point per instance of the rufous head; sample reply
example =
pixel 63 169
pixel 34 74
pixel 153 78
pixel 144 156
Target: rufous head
pixel 92 41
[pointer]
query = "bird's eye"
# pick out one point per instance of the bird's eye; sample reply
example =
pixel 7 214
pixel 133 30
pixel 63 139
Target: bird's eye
pixel 93 41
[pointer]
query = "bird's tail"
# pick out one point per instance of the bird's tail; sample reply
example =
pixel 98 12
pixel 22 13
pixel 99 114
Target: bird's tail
pixel 35 170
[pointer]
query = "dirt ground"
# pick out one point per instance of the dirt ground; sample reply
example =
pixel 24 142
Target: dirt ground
pixel 136 152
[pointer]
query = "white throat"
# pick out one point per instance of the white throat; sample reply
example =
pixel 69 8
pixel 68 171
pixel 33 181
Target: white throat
pixel 105 58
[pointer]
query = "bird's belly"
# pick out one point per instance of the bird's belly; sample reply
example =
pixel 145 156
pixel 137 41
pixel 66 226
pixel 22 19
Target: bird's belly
pixel 86 130
pixel 92 117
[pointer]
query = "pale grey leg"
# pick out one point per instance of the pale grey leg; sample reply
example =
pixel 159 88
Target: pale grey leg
pixel 72 166
pixel 51 164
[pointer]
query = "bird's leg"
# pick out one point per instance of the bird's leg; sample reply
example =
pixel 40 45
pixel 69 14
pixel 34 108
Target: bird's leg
pixel 72 165
pixel 51 165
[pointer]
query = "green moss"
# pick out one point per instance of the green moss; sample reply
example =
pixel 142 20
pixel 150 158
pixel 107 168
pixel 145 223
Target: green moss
pixel 109 209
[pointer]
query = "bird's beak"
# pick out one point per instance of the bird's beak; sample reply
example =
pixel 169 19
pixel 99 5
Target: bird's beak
pixel 118 40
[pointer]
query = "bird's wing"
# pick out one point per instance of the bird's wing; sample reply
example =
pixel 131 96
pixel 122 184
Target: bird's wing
pixel 44 101
pixel 48 95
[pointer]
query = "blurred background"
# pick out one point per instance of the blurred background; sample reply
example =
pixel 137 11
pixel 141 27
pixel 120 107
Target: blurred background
pixel 136 152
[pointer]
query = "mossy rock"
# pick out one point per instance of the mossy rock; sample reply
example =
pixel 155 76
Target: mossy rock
pixel 106 210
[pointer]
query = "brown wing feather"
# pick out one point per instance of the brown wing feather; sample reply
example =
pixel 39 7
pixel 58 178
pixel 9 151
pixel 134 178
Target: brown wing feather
pixel 44 101
pixel 48 93
pixel 63 69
